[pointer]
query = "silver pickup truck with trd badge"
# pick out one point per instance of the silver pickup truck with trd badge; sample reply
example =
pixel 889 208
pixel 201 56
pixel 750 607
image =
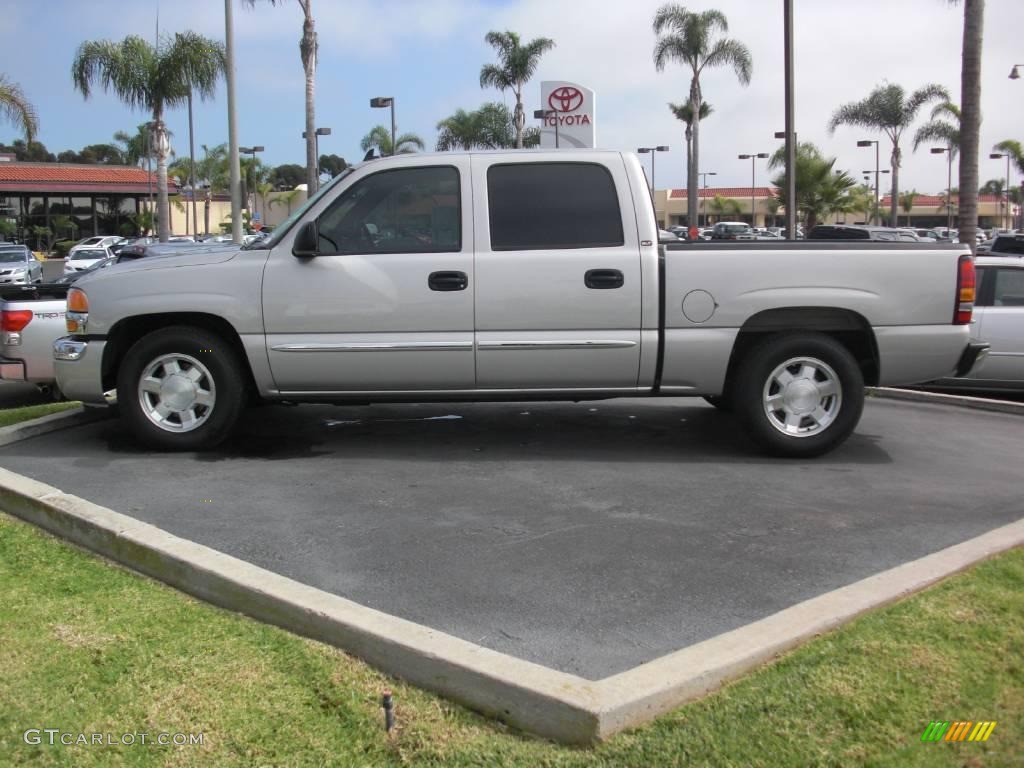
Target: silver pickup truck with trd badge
pixel 513 276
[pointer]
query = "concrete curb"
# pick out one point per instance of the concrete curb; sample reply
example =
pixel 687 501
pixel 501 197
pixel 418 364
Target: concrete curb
pixel 531 697
pixel 937 398
pixel 50 423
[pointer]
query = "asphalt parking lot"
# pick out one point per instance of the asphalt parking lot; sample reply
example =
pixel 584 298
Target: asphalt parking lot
pixel 588 537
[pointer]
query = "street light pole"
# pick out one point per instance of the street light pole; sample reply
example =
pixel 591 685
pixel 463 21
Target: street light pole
pixel 949 182
pixel 251 151
pixel 379 102
pixel 790 98
pixel 544 114
pixel 878 191
pixel 1006 183
pixel 704 183
pixel 753 158
pixel 192 166
pixel 316 142
pixel 652 150
pixel 236 173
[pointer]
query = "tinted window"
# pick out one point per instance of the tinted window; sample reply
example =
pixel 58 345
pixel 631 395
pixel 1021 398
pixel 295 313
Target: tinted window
pixel 552 205
pixel 1009 288
pixel 1008 245
pixel 838 233
pixel 408 210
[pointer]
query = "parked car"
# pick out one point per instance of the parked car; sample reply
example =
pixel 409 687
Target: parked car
pixel 861 232
pixel 99 241
pixel 732 230
pixel 924 235
pixel 511 275
pixel 1010 245
pixel 18 265
pixel 84 258
pixel 999 320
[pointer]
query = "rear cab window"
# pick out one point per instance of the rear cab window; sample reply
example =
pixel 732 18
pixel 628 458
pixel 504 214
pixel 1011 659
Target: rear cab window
pixel 551 205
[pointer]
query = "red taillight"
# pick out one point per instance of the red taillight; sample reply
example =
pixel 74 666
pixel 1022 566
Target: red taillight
pixel 16 319
pixel 965 283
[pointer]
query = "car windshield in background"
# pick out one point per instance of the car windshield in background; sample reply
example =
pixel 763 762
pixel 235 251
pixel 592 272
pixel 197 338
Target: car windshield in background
pixel 7 256
pixel 735 229
pixel 89 253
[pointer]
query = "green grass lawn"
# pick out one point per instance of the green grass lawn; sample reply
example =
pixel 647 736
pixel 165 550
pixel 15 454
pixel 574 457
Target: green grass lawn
pixel 10 416
pixel 86 646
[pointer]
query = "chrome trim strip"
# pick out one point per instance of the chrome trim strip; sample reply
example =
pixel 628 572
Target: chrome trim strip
pixel 568 344
pixel 471 394
pixel 376 346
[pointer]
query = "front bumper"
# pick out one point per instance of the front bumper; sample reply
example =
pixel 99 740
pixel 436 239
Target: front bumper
pixel 78 365
pixel 974 354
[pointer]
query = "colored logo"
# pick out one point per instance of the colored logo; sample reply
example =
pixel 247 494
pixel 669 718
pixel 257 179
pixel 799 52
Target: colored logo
pixel 960 730
pixel 565 99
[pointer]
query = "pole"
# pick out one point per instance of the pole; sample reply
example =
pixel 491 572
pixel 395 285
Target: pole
pixel 393 147
pixel 556 135
pixel 949 187
pixel 878 189
pixel 653 153
pixel 787 24
pixel 1007 188
pixel 149 176
pixel 753 159
pixel 192 166
pixel 236 174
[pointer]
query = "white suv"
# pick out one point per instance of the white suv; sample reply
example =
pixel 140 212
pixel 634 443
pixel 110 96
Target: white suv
pixel 101 241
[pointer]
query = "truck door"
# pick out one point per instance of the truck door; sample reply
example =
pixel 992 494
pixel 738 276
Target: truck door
pixel 387 302
pixel 558 301
pixel 1000 321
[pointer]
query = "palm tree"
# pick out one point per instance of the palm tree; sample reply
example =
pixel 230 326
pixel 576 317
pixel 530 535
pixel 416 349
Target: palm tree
pixel 461 130
pixel 380 137
pixel 684 112
pixel 888 109
pixel 308 47
pixel 284 198
pixel 970 122
pixel 725 206
pixel 942 130
pixel 1014 149
pixel 155 79
pixel 517 64
pixel 907 203
pixel 690 39
pixel 17 108
pixel 820 189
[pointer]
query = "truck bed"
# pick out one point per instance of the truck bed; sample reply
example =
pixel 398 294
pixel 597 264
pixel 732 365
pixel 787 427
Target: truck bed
pixel 27 354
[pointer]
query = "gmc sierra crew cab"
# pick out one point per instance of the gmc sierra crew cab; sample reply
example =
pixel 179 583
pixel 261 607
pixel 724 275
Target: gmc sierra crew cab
pixel 513 276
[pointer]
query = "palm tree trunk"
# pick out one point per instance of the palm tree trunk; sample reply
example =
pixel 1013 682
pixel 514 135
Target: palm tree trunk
pixel 163 206
pixel 520 116
pixel 693 166
pixel 970 120
pixel 894 195
pixel 308 49
pixel 689 162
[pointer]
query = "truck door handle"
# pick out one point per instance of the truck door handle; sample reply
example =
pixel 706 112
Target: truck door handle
pixel 603 278
pixel 448 281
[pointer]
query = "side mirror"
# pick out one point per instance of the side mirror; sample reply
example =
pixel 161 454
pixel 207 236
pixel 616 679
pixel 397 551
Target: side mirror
pixel 305 244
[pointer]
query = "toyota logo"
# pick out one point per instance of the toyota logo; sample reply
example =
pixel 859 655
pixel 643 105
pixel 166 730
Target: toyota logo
pixel 565 99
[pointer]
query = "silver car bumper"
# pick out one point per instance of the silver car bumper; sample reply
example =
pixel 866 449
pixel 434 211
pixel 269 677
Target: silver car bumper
pixel 78 365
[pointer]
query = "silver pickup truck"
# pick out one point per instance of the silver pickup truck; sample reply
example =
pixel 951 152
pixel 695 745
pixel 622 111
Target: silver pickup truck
pixel 513 276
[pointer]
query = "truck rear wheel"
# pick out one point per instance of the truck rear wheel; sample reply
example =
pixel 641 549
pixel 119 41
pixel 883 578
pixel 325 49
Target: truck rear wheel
pixel 799 395
pixel 181 388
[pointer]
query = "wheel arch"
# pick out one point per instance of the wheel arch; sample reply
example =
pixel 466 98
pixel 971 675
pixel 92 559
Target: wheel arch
pixel 129 330
pixel 849 328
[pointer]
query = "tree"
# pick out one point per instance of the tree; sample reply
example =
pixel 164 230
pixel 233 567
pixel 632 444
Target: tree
pixel 288 176
pixel 517 64
pixel 380 137
pixel 820 189
pixel 684 112
pixel 946 131
pixel 725 206
pixel 907 203
pixel 332 165
pixel 284 198
pixel 17 109
pixel 993 187
pixel 490 127
pixel 1011 147
pixel 888 109
pixel 136 147
pixel 970 120
pixel 155 79
pixel 32 151
pixel 308 47
pixel 462 130
pixel 691 39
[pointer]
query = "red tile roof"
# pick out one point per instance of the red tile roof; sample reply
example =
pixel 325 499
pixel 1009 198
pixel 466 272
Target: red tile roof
pixel 711 192
pixel 67 177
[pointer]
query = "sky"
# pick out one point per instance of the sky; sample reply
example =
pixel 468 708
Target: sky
pixel 428 54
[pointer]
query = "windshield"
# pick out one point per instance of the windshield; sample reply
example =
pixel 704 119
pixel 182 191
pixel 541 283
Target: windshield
pixel 89 253
pixel 282 229
pixel 733 229
pixel 11 256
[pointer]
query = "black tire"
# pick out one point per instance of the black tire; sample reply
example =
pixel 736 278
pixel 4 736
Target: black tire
pixel 223 369
pixel 721 402
pixel 754 373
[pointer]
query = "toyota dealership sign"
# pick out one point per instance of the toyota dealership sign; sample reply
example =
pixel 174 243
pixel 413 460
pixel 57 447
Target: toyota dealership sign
pixel 573 106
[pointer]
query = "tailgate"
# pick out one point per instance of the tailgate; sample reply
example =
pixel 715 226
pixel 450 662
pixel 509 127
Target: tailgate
pixel 29 329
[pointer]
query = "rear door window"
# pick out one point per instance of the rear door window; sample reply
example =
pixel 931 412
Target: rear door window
pixel 540 206
pixel 1009 288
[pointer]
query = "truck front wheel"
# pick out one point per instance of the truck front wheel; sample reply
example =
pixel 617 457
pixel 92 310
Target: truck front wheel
pixel 181 388
pixel 799 395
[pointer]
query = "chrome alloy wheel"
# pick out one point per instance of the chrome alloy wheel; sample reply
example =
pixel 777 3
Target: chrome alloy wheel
pixel 177 393
pixel 802 397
